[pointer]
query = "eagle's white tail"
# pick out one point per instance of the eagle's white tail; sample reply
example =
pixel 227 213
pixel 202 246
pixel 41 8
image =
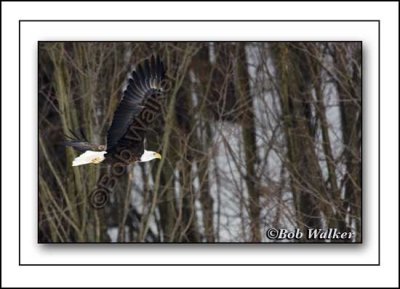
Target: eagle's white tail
pixel 89 157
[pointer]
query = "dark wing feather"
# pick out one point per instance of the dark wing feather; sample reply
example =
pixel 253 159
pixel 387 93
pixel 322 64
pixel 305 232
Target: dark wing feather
pixel 79 142
pixel 144 82
pixel 82 146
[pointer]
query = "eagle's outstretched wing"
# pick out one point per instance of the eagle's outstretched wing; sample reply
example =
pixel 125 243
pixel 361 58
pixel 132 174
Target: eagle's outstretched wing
pixel 139 100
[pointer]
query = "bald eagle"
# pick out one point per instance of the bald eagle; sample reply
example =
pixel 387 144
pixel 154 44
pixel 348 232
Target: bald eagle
pixel 139 107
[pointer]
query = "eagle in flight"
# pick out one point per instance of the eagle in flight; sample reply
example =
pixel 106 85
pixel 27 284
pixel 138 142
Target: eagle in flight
pixel 139 107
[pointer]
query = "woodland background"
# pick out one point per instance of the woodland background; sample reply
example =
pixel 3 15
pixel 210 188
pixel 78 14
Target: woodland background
pixel 253 135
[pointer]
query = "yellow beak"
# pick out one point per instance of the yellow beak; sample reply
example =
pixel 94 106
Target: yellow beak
pixel 158 156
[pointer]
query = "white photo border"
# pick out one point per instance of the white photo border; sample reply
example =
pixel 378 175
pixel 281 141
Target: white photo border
pixel 200 249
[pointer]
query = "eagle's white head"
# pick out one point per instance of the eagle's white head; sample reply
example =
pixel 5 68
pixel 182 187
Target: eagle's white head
pixel 149 155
